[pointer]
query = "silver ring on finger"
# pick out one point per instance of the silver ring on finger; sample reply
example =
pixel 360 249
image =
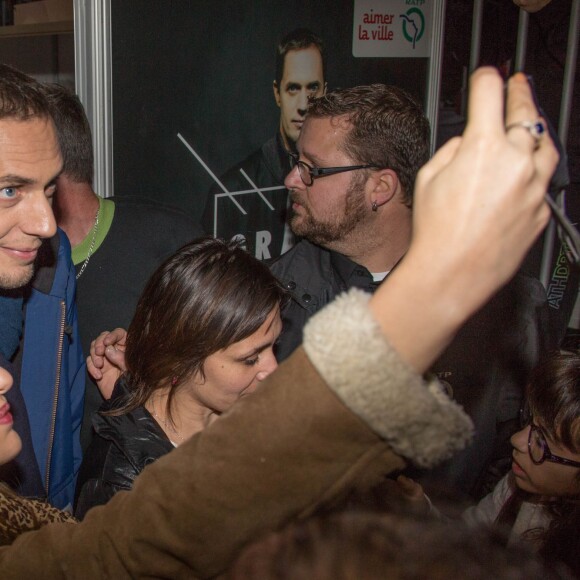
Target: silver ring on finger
pixel 535 128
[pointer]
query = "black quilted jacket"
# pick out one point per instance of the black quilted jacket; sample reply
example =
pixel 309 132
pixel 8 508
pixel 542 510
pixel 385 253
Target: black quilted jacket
pixel 121 448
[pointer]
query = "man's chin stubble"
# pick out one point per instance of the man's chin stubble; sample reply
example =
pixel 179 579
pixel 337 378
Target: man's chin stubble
pixel 317 233
pixel 22 278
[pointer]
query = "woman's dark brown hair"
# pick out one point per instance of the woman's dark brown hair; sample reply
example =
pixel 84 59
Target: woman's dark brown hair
pixel 208 295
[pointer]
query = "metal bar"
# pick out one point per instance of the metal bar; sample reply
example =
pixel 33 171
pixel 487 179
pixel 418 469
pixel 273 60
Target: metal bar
pixel 522 42
pixel 93 83
pixel 476 25
pixel 569 72
pixel 435 69
pixel 82 61
pixel 563 125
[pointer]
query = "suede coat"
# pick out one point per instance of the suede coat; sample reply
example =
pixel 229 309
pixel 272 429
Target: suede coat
pixel 329 419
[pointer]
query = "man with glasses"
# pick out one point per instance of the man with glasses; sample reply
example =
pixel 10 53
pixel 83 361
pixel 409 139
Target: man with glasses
pixel 351 188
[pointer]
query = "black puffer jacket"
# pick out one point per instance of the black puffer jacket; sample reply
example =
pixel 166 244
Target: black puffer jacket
pixel 121 448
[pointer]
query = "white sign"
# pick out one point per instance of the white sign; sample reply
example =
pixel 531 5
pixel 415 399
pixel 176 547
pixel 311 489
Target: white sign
pixel 392 28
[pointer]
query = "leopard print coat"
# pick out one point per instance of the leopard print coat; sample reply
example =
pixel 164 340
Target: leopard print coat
pixel 19 515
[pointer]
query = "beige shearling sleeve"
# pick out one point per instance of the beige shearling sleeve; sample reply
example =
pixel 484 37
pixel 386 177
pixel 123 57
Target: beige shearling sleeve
pixel 419 421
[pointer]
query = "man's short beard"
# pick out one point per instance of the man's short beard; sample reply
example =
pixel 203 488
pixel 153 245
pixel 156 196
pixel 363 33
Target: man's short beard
pixel 325 233
pixel 11 281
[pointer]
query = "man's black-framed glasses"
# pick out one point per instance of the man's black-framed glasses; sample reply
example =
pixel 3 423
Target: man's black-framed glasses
pixel 540 452
pixel 308 173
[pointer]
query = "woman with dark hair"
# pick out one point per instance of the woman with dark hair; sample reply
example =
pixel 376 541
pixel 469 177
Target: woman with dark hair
pixel 202 337
pixel 539 500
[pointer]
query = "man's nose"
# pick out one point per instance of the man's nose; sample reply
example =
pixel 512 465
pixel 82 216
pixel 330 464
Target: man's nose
pixel 37 217
pixel 302 105
pixel 293 179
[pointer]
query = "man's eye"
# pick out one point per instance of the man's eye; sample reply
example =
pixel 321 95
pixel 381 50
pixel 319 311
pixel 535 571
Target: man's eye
pixel 49 193
pixel 251 361
pixel 8 192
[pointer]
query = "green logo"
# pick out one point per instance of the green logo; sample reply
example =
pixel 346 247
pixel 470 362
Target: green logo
pixel 416 24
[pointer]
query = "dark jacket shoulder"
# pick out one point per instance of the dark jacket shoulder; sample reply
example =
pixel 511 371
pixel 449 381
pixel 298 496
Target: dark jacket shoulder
pixel 122 446
pixel 306 272
pixel 149 215
pixel 267 166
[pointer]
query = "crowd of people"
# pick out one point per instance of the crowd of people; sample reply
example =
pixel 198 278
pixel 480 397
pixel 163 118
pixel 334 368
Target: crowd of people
pixel 415 360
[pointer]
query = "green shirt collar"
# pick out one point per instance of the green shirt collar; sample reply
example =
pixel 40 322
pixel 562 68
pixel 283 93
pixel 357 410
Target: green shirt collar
pixel 105 218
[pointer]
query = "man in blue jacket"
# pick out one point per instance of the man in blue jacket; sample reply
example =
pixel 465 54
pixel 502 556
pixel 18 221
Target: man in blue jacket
pixel 39 341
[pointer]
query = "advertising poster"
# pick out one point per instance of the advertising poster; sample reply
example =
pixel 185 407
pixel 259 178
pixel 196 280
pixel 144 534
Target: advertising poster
pixel 204 118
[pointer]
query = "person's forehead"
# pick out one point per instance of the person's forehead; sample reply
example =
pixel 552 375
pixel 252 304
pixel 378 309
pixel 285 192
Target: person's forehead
pixel 304 64
pixel 31 144
pixel 32 130
pixel 269 329
pixel 321 136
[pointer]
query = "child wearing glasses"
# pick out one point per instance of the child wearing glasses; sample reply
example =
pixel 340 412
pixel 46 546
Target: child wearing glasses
pixel 538 501
pixel 540 498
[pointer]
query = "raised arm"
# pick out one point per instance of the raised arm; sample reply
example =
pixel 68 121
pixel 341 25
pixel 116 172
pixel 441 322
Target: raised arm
pixel 326 418
pixel 479 206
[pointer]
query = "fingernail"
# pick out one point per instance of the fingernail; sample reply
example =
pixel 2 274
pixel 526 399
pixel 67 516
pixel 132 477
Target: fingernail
pixel 520 77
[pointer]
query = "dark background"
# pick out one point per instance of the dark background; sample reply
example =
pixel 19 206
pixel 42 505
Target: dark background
pixel 205 70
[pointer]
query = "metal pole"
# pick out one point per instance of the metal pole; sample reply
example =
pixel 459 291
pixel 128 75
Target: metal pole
pixel 476 24
pixel 563 125
pixel 93 76
pixel 569 71
pixel 435 68
pixel 522 43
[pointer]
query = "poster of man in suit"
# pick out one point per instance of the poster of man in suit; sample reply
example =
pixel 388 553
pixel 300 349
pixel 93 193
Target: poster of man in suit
pixel 209 98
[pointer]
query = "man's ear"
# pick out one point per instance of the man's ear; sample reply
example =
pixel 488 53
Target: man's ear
pixel 383 186
pixel 276 92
